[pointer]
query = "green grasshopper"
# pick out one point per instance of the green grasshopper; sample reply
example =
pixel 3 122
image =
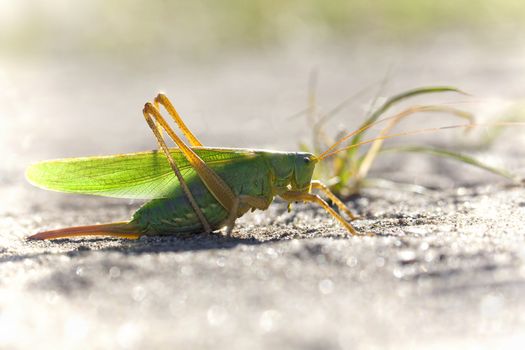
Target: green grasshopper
pixel 192 188
pixel 203 189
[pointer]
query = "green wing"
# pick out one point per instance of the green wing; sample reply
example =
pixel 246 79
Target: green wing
pixel 144 175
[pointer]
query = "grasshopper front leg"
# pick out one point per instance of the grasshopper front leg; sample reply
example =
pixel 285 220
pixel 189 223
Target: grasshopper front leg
pixel 292 196
pixel 316 184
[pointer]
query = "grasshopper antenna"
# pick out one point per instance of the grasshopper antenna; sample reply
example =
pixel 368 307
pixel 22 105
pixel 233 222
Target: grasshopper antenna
pixel 332 152
pixel 396 118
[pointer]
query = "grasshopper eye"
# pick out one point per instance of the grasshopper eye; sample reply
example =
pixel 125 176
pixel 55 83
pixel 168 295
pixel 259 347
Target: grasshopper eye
pixel 306 160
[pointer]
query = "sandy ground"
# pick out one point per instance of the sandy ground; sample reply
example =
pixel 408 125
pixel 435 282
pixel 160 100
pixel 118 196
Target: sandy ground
pixel 445 268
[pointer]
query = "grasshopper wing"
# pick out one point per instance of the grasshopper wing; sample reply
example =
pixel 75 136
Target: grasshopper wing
pixel 143 175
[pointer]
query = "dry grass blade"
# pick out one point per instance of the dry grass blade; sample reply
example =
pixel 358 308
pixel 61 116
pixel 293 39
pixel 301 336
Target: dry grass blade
pixel 368 159
pixel 403 96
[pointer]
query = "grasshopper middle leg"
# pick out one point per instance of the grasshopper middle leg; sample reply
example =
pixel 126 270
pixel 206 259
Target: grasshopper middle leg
pixel 252 201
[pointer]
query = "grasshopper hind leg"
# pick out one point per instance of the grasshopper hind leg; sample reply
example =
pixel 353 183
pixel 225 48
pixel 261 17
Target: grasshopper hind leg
pixel 118 230
pixel 148 111
pixel 163 100
pixel 222 192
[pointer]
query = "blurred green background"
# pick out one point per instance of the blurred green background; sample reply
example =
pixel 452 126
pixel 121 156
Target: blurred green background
pixel 206 27
pixel 74 75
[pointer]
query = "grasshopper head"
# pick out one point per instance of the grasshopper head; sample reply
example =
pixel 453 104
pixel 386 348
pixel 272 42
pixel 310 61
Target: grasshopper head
pixel 303 171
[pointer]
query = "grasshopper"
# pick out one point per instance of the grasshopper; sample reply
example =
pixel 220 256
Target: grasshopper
pixel 191 188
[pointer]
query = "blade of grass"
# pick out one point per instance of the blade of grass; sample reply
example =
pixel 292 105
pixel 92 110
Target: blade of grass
pixel 366 125
pixel 398 98
pixel 351 167
pixel 516 114
pixel 445 153
pixel 366 162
